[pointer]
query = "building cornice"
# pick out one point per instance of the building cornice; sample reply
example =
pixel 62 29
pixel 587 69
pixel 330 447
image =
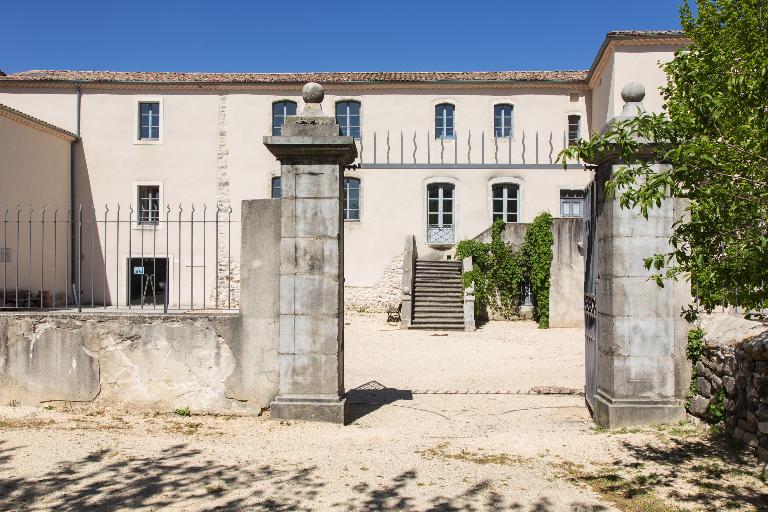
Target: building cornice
pixel 37 124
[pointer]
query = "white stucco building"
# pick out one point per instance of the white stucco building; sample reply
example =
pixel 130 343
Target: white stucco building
pixel 441 156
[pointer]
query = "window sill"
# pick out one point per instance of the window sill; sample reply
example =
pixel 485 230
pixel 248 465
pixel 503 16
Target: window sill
pixel 147 142
pixel 147 227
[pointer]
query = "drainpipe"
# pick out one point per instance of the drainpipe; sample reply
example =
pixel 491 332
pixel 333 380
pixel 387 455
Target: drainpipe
pixel 73 248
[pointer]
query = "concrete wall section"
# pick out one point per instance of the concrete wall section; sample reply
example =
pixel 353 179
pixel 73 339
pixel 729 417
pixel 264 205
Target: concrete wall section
pixel 157 362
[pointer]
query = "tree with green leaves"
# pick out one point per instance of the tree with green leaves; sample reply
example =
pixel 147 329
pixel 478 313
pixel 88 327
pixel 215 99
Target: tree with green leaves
pixel 713 136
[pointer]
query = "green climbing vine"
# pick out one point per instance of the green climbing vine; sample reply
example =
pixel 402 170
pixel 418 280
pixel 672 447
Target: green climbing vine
pixel 537 255
pixel 693 349
pixel 499 271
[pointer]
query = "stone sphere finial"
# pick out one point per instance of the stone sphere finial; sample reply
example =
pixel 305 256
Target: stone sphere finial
pixel 313 92
pixel 633 92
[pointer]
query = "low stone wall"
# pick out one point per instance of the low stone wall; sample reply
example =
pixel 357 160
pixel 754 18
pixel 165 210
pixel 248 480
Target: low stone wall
pixel 160 362
pixel 731 377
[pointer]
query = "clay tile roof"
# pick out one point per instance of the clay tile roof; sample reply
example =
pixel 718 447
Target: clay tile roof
pixel 646 33
pixel 282 78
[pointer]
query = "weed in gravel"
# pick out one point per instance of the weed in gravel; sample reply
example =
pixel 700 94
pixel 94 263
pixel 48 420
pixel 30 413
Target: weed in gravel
pixel 183 411
pixel 628 494
pixel 24 423
pixel 440 452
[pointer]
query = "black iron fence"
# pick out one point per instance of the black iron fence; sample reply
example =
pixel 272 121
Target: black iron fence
pixel 166 259
pixel 465 150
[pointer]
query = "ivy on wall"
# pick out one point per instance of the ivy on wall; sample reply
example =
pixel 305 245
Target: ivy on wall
pixel 499 271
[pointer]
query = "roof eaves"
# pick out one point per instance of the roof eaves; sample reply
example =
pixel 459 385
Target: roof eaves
pixel 18 115
pixel 623 35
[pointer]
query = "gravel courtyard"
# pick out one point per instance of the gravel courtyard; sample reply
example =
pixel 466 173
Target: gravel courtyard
pixel 437 422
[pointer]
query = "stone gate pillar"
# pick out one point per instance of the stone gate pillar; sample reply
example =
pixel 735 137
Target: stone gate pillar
pixel 311 349
pixel 639 357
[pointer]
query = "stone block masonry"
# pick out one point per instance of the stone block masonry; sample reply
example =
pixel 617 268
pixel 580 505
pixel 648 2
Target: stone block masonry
pixel 732 379
pixel 311 349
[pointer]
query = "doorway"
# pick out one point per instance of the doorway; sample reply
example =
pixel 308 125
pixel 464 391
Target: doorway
pixel 147 281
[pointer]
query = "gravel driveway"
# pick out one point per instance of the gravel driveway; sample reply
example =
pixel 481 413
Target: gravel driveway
pixel 437 423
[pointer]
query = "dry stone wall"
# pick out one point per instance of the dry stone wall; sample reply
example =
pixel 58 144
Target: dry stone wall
pixel 731 379
pixel 380 298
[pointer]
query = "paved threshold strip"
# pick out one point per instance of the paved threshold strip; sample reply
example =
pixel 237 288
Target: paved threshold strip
pixel 532 391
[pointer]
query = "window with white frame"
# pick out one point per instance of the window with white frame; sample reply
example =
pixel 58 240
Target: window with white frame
pixel 348 118
pixel 277 187
pixel 149 120
pixel 444 121
pixel 280 111
pixel 148 205
pixel 502 120
pixel 574 129
pixel 351 199
pixel 505 202
pixel 571 203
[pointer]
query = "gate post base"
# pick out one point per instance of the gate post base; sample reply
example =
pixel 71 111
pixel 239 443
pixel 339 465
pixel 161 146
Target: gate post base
pixel 309 408
pixel 617 413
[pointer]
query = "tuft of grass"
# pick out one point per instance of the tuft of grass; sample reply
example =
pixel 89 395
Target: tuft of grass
pixel 49 407
pixel 440 452
pixel 183 411
pixel 633 494
pixel 14 403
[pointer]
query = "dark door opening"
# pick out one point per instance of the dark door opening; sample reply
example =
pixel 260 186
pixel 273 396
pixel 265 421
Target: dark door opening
pixel 147 281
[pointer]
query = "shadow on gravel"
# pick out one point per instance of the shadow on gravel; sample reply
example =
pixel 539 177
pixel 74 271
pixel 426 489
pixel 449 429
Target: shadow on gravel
pixel 371 396
pixel 106 480
pixel 713 468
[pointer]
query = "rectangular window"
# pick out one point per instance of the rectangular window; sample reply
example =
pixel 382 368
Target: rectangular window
pixel 574 129
pixel 280 111
pixel 444 121
pixel 5 254
pixel 149 120
pixel 277 187
pixel 571 202
pixel 148 202
pixel 351 199
pixel 502 120
pixel 505 199
pixel 348 118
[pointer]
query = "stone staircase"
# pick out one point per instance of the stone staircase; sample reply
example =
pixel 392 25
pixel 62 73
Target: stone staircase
pixel 438 296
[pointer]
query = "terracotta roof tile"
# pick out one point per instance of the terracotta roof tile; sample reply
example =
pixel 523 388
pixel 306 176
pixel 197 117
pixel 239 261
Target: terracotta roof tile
pixel 336 77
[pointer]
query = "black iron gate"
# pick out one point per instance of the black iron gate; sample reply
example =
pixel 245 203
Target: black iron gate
pixel 590 292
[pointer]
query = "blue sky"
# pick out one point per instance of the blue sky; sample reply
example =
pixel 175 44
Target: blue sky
pixel 331 35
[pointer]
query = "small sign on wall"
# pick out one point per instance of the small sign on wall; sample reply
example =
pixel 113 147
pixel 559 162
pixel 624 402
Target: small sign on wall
pixel 138 271
pixel 5 254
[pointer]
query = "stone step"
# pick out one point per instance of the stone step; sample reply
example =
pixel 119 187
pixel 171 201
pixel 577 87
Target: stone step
pixel 439 266
pixel 439 302
pixel 437 326
pixel 421 285
pixel 428 310
pixel 438 317
pixel 439 292
pixel 438 275
pixel 440 307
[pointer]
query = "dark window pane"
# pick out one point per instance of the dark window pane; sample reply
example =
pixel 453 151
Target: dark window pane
pixel 432 218
pixel 277 188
